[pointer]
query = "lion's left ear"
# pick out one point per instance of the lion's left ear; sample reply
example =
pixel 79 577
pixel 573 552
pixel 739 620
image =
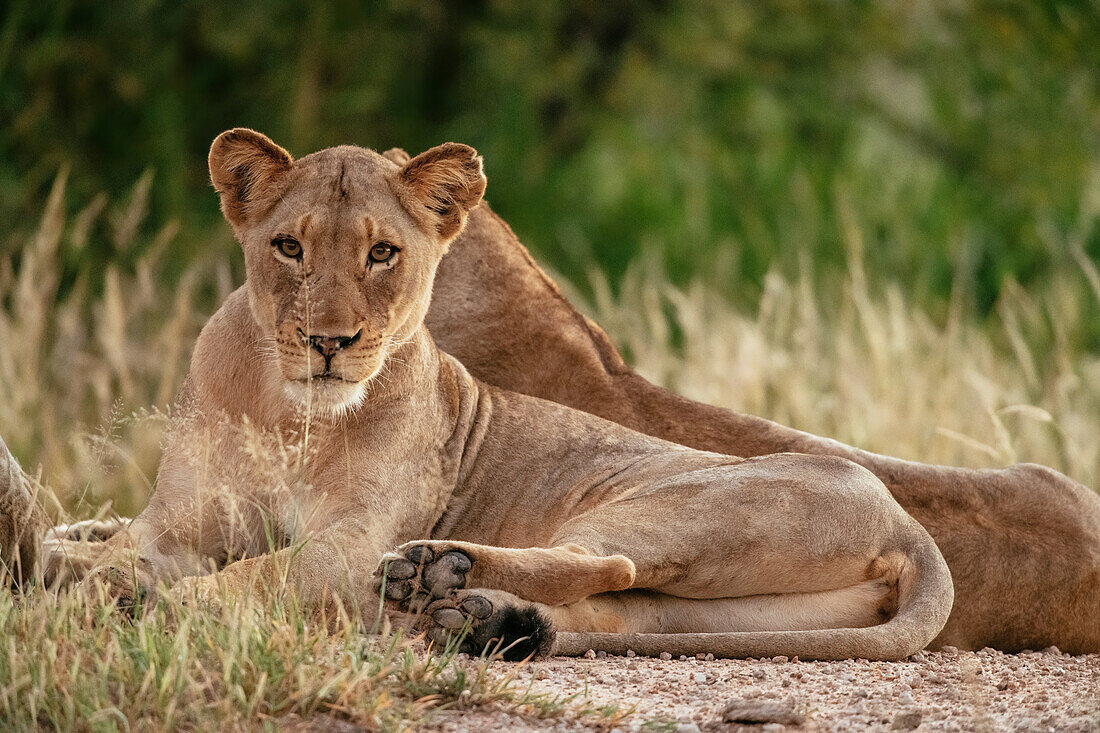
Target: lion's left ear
pixel 442 185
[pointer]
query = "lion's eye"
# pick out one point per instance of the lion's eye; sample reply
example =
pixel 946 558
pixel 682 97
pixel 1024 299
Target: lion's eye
pixel 288 247
pixel 381 253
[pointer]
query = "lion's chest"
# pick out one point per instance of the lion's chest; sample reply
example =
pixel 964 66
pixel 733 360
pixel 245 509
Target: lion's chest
pixel 402 499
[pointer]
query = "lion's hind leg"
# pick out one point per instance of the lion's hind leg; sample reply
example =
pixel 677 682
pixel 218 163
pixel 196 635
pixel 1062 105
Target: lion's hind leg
pixel 493 621
pixel 861 605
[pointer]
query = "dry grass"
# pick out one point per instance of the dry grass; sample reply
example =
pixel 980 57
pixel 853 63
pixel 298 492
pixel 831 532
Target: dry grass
pixel 69 665
pixel 88 367
pixel 80 360
pixel 873 370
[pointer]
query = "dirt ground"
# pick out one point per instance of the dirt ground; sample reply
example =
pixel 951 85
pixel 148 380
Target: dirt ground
pixel 943 691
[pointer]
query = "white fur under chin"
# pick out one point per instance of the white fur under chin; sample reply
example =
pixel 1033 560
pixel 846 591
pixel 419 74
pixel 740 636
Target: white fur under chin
pixel 328 397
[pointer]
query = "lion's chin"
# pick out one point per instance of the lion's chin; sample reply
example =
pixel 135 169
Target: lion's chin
pixel 327 396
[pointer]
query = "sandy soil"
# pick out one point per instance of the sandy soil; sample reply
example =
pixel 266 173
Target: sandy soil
pixel 943 691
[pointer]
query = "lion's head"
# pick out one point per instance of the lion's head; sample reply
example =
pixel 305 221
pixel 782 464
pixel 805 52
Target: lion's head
pixel 341 249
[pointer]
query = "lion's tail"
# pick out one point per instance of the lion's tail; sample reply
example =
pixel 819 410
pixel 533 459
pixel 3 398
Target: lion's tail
pixel 925 595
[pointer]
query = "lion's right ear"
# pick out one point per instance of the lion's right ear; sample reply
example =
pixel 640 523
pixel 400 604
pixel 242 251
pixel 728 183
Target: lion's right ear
pixel 397 155
pixel 248 171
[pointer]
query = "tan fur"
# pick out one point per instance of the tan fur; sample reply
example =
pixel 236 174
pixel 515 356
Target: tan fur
pixel 22 522
pixel 384 466
pixel 1023 543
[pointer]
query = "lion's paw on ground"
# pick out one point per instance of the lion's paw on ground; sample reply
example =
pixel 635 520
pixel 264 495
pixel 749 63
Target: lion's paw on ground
pixel 491 622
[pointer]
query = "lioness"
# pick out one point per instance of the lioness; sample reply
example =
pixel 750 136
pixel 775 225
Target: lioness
pixel 1023 542
pixel 545 528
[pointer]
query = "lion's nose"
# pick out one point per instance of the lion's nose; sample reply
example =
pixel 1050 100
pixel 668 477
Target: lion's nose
pixel 327 346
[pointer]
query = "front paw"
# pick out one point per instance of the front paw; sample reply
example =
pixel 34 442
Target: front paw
pixel 198 591
pixel 129 586
pixel 66 562
pixel 417 573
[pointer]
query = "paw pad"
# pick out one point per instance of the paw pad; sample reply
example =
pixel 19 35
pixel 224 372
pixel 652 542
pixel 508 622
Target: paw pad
pixel 499 626
pixel 417 575
pixel 473 608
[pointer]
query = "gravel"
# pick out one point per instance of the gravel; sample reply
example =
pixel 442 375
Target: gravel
pixel 947 690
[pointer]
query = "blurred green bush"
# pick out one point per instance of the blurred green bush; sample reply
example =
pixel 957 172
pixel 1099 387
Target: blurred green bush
pixel 718 136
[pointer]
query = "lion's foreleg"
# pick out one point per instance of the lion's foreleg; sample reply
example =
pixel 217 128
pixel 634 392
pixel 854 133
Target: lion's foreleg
pixel 329 571
pixel 419 571
pixel 120 560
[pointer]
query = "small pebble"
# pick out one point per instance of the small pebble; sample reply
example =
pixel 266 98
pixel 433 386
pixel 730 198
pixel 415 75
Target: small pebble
pixel 780 659
pixel 709 658
pixel 590 654
pixel 601 654
pixel 919 657
pixel 750 711
pixel 683 657
pixel 950 651
pixel 907 720
pixel 631 653
pixel 666 656
pixel 699 677
pixel 1053 651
